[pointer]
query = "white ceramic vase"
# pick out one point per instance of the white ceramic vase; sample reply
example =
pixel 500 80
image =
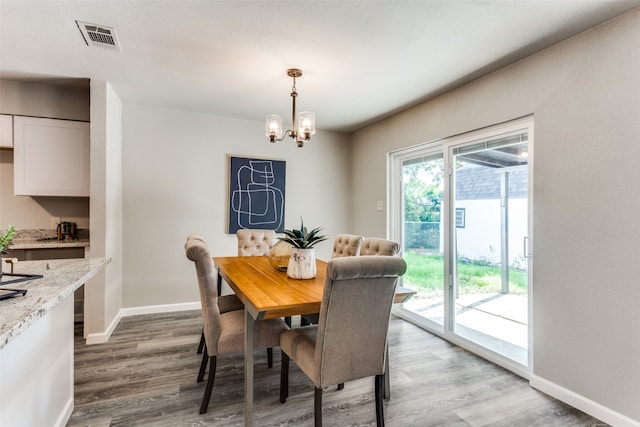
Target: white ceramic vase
pixel 302 264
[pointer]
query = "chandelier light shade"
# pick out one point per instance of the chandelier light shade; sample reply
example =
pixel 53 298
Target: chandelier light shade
pixel 306 122
pixel 274 127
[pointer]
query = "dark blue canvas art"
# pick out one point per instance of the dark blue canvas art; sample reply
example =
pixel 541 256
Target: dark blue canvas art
pixel 256 194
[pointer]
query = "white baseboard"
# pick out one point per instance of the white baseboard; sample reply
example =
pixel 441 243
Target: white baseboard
pixel 65 415
pixel 102 337
pixel 580 402
pixel 164 308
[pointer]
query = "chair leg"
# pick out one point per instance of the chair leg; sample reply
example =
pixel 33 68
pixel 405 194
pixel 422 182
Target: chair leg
pixel 284 378
pixel 210 380
pixel 201 345
pixel 287 321
pixel 379 395
pixel 317 407
pixel 203 365
pixel 270 357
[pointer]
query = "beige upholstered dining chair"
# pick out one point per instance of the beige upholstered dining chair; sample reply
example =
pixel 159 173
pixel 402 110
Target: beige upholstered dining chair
pixel 223 332
pixel 343 245
pixel 346 245
pixel 350 339
pixel 376 246
pixel 255 242
pixel 226 303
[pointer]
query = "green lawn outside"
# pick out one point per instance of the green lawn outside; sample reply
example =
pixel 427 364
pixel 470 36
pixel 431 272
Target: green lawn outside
pixel 426 272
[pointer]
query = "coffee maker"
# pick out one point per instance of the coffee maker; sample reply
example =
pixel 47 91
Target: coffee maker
pixel 66 228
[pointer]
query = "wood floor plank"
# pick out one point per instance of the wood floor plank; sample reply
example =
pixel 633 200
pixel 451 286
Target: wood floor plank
pixel 146 376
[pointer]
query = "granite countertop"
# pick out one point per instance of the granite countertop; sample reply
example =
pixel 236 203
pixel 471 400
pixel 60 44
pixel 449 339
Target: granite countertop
pixel 60 279
pixel 32 238
pixel 47 244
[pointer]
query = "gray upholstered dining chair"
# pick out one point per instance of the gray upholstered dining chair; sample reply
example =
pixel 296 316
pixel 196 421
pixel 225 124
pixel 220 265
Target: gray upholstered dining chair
pixel 226 303
pixel 346 245
pixel 223 332
pixel 377 246
pixel 255 242
pixel 350 339
pixel 343 245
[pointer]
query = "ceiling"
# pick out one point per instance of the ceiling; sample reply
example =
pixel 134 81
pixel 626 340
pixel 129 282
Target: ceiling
pixel 361 60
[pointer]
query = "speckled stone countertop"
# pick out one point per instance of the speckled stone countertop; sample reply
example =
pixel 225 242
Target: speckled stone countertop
pixel 28 239
pixel 48 244
pixel 61 277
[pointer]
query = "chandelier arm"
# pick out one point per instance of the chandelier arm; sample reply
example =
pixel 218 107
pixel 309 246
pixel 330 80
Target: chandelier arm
pixel 272 138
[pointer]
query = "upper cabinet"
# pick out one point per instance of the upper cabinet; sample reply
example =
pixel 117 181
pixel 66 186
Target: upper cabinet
pixel 51 157
pixel 6 131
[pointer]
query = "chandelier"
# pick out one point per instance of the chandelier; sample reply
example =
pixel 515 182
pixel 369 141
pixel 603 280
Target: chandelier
pixel 306 119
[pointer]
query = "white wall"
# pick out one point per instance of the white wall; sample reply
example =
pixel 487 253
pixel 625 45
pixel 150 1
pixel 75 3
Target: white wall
pixel 103 293
pixel 585 97
pixel 175 181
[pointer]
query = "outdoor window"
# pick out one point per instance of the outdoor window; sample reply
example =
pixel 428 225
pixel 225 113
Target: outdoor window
pixel 460 217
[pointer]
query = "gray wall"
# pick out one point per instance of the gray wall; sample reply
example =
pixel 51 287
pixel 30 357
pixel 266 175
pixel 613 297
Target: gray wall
pixel 175 180
pixel 39 100
pixel 585 97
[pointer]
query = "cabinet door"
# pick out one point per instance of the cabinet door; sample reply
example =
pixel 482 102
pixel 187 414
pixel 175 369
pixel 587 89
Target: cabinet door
pixel 51 157
pixel 6 131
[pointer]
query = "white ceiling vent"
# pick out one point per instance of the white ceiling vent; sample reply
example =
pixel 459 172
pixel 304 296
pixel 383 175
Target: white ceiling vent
pixel 99 35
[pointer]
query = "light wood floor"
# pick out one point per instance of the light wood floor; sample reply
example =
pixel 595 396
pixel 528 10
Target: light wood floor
pixel 146 376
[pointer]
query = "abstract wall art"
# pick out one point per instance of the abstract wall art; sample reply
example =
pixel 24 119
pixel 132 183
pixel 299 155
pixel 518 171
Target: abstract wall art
pixel 256 194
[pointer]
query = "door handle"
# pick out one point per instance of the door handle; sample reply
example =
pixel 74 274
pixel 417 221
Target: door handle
pixel 525 251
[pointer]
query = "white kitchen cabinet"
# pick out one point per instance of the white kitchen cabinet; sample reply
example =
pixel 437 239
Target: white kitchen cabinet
pixel 6 131
pixel 51 157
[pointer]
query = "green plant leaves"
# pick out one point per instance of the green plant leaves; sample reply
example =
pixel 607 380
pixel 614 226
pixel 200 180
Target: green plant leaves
pixel 303 239
pixel 7 237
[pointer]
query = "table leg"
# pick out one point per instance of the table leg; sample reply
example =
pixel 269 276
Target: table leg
pixel 248 369
pixel 387 380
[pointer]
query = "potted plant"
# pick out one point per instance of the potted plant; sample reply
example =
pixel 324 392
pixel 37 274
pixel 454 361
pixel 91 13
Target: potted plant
pixel 5 240
pixel 302 263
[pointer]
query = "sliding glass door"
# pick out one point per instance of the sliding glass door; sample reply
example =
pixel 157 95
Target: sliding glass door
pixel 461 209
pixel 422 197
pixel 489 200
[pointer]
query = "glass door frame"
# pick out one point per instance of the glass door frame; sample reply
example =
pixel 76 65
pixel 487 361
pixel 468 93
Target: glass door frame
pixel 395 232
pixel 395 216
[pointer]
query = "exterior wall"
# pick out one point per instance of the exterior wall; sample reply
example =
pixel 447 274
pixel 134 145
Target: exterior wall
pixel 584 96
pixel 480 238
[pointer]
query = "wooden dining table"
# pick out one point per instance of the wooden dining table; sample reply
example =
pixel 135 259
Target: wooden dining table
pixel 268 293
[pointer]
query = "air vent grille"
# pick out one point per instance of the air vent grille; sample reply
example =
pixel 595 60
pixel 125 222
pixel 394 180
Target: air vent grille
pixel 99 35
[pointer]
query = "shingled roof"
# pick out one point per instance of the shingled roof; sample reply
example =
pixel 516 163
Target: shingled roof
pixel 479 183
